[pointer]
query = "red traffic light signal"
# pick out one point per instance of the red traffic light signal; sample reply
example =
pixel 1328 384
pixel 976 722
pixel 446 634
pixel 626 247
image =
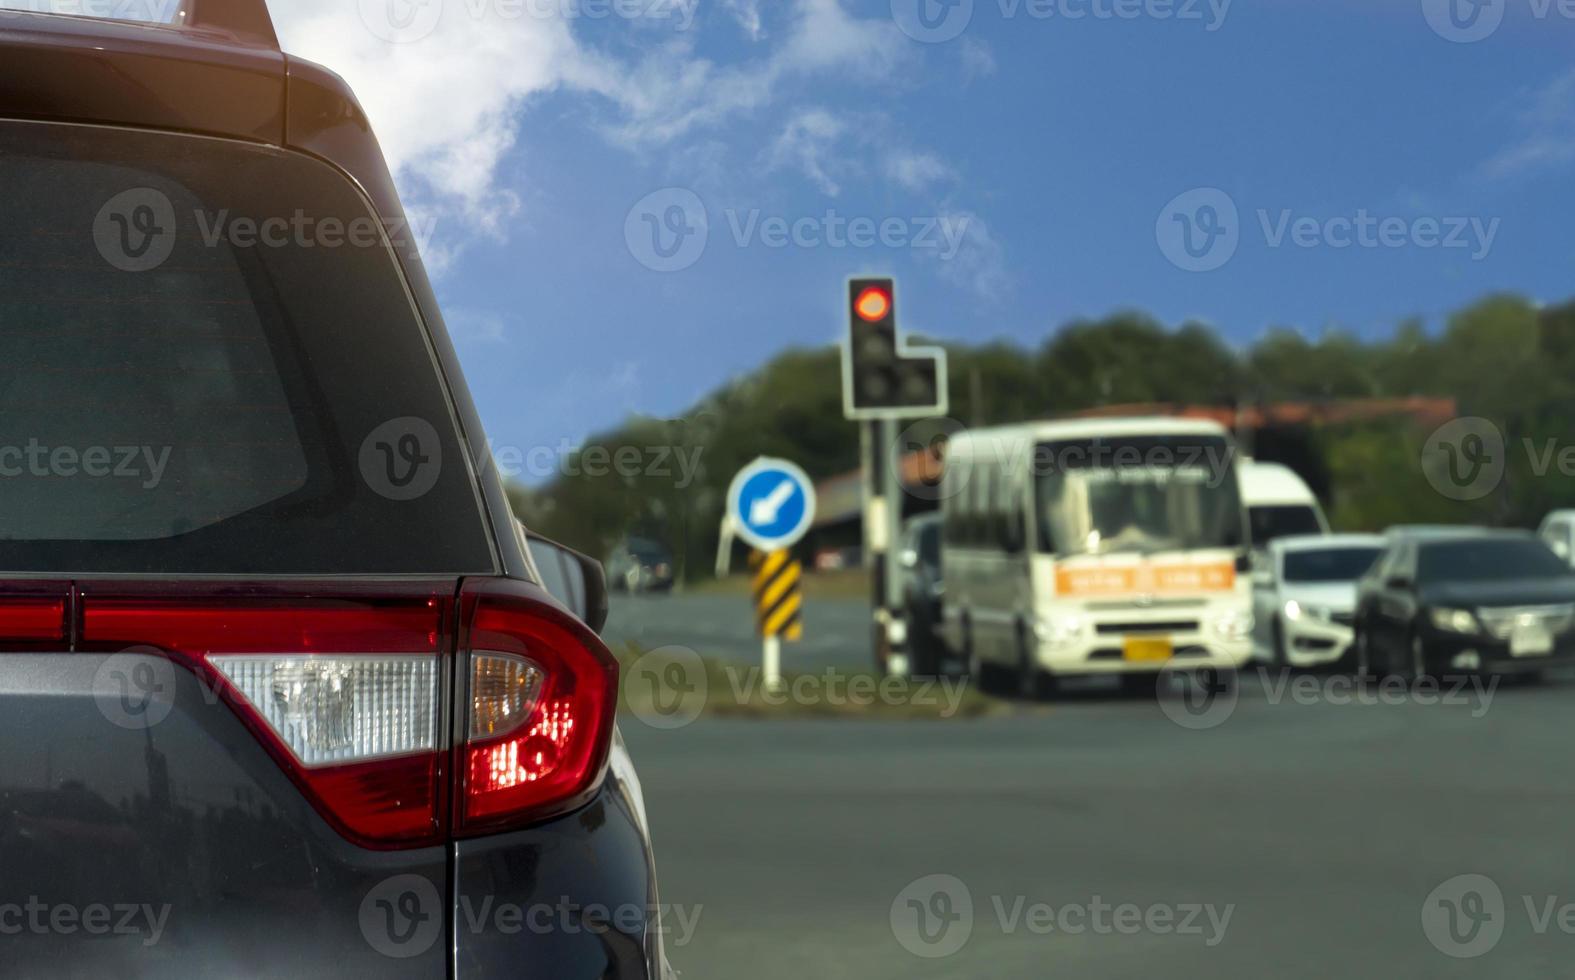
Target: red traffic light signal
pixel 873 304
pixel 883 378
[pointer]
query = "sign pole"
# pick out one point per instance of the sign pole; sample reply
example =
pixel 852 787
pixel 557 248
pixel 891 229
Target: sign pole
pixel 771 663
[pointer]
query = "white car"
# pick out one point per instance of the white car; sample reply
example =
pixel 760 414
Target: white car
pixel 1304 597
pixel 1558 532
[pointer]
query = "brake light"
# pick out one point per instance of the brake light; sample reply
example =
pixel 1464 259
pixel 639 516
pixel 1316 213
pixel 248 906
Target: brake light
pixel 347 692
pixel 541 705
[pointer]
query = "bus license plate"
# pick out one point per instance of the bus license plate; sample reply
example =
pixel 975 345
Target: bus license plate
pixel 1147 649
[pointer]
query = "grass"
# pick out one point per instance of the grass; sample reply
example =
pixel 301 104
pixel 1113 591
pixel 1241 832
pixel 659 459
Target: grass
pixel 666 686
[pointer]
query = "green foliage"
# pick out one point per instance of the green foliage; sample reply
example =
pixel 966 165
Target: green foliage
pixel 1502 358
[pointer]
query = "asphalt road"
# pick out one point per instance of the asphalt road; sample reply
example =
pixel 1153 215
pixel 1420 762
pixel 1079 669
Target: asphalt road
pixel 1320 827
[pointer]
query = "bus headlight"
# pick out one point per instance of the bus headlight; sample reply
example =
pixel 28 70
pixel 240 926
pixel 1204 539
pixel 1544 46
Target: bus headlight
pixel 1296 610
pixel 1233 625
pixel 1058 629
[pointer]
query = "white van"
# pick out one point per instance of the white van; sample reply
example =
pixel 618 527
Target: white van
pixel 1101 546
pixel 1279 503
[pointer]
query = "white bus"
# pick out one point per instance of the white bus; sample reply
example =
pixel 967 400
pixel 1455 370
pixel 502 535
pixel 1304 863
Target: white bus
pixel 1102 546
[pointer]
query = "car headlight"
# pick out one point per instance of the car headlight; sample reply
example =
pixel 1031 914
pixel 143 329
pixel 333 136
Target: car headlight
pixel 1298 610
pixel 1234 625
pixel 1453 620
pixel 1061 629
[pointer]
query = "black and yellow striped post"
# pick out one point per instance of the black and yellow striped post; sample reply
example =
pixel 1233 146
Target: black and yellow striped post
pixel 779 606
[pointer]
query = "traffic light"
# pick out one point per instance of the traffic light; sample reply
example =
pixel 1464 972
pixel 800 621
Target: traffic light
pixel 881 377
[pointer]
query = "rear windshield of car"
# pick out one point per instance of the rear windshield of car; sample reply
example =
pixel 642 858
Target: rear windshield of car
pixel 1269 523
pixel 1328 565
pixel 212 366
pixel 1487 560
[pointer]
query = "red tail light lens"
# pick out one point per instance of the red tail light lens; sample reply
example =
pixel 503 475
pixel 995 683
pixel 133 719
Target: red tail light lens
pixel 343 692
pixel 347 694
pixel 542 698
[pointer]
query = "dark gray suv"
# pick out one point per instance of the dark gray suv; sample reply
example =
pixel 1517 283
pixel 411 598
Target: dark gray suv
pixel 282 690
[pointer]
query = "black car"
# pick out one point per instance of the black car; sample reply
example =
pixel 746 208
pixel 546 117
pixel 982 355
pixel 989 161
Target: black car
pixel 923 591
pixel 283 690
pixel 1463 602
pixel 640 565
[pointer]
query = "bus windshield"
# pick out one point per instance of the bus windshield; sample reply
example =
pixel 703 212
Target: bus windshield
pixel 1143 494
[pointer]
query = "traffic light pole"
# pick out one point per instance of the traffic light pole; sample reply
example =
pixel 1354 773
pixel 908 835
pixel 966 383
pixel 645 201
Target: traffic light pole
pixel 883 533
pixel 884 380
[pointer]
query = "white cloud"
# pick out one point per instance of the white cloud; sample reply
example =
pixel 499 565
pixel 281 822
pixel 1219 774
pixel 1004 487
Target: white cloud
pixel 747 13
pixel 809 144
pixel 977 58
pixel 1548 132
pixel 917 171
pixel 979 263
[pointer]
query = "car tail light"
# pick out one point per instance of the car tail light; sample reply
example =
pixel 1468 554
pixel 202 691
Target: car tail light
pixel 542 696
pixel 344 692
pixel 349 695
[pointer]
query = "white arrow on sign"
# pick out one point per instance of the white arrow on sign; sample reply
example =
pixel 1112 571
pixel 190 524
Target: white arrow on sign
pixel 764 511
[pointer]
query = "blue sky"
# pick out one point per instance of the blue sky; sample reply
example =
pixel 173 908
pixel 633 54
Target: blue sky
pixel 1051 149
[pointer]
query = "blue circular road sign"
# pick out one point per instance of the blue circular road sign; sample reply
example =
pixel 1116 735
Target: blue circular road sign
pixel 772 503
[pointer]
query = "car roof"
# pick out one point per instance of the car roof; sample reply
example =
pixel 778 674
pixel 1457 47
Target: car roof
pixel 1325 542
pixel 1479 534
pixel 1273 483
pixel 1049 431
pixel 1423 531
